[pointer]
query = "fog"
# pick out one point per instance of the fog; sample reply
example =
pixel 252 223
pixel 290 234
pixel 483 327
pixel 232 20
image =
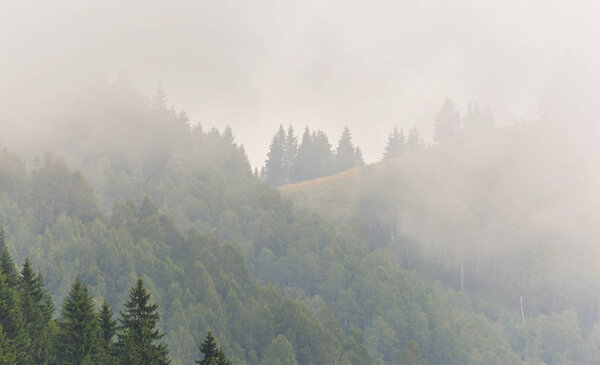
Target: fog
pixel 253 65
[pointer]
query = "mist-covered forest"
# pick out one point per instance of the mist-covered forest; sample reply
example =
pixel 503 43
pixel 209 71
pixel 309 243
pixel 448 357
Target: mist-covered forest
pixel 284 183
pixel 435 255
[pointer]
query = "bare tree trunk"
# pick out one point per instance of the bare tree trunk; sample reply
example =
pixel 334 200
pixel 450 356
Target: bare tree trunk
pixel 522 312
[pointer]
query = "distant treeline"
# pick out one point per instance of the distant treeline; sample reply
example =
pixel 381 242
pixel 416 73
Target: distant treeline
pixel 287 162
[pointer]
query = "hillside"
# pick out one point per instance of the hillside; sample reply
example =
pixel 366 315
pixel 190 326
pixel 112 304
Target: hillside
pixel 180 208
pixel 512 213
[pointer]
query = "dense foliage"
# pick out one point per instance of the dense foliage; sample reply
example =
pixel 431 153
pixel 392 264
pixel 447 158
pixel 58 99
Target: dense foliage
pixel 339 292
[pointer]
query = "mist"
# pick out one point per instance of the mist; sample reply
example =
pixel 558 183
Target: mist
pixel 255 65
pixel 314 182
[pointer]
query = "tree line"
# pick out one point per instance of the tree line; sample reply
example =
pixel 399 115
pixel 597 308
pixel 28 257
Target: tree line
pixel 289 161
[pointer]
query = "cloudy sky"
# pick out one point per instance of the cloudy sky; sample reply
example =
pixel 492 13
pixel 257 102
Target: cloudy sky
pixel 252 65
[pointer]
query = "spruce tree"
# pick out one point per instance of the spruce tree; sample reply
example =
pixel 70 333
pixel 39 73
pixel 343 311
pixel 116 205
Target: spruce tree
pixel 138 333
pixel 274 165
pixel 395 144
pixel 11 319
pixel 360 161
pixel 159 100
pixel 447 122
pixel 213 355
pixel 303 158
pixel 78 337
pixel 322 158
pixel 290 154
pixel 7 265
pixel 345 157
pixel 37 309
pixel 108 326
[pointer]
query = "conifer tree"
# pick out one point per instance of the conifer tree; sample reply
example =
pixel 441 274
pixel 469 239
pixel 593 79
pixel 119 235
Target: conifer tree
pixel 7 265
pixel 159 100
pixel 303 157
pixel 37 309
pixel 274 165
pixel 108 326
pixel 358 157
pixel 78 337
pixel 138 334
pixel 108 330
pixel 213 355
pixel 290 154
pixel 395 145
pixel 447 122
pixel 345 157
pixel 12 321
pixel 322 158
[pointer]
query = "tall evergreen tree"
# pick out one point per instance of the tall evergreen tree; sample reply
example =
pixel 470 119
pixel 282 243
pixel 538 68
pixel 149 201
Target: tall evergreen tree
pixel 358 157
pixel 290 154
pixel 274 165
pixel 138 335
pixel 12 321
pixel 108 330
pixel 37 311
pixel 447 122
pixel 78 337
pixel 395 144
pixel 345 156
pixel 213 355
pixel 322 158
pixel 159 100
pixel 303 157
pixel 7 265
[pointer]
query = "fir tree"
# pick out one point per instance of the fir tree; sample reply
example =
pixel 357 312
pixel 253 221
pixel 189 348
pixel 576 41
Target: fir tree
pixel 358 157
pixel 12 321
pixel 303 158
pixel 322 158
pixel 108 326
pixel 78 338
pixel 212 354
pixel 274 165
pixel 447 122
pixel 7 265
pixel 37 311
pixel 138 334
pixel 290 154
pixel 395 145
pixel 159 100
pixel 108 330
pixel 345 157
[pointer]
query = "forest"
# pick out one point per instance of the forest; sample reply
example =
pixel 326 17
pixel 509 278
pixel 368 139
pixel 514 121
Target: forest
pixel 371 266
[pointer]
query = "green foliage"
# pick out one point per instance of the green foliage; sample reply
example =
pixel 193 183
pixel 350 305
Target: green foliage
pixel 212 355
pixel 37 308
pixel 108 330
pixel 7 353
pixel 279 352
pixel 338 295
pixel 138 335
pixel 78 337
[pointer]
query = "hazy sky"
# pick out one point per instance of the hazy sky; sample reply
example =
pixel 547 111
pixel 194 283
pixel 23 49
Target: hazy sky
pixel 254 64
